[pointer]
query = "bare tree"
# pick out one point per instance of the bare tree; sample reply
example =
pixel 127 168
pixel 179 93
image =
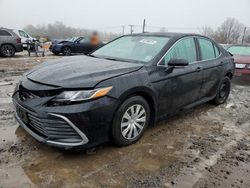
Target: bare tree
pixel 229 32
pixel 247 36
pixel 59 30
pixel 163 29
pixel 207 31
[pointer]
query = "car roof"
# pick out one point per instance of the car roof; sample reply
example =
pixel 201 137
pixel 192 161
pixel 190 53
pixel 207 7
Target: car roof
pixel 5 28
pixel 169 34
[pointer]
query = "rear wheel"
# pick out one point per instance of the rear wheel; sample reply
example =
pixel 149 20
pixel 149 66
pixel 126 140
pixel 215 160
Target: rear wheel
pixel 223 92
pixel 7 50
pixel 66 51
pixel 130 121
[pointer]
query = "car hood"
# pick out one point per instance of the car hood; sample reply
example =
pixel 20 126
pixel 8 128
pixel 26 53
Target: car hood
pixel 244 59
pixel 79 71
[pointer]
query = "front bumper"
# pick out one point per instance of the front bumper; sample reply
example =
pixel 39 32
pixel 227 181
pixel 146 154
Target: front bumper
pixel 51 135
pixel 78 126
pixel 56 48
pixel 240 72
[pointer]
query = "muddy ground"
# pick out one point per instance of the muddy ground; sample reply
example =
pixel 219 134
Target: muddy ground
pixel 208 146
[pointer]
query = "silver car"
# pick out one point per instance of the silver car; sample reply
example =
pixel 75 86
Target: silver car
pixel 10 43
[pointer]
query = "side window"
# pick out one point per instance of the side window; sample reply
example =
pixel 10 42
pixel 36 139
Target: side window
pixel 23 34
pixel 4 33
pixel 184 49
pixel 84 40
pixel 207 49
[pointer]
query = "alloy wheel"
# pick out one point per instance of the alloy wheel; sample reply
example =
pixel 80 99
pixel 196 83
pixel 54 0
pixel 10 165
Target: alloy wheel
pixel 7 50
pixel 224 90
pixel 66 51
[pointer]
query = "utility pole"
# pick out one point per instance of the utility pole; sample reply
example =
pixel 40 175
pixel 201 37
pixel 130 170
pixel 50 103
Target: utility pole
pixel 143 26
pixel 131 29
pixel 123 29
pixel 243 37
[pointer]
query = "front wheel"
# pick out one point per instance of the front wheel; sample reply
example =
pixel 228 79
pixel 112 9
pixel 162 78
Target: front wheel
pixel 7 50
pixel 223 92
pixel 66 51
pixel 130 121
pixel 55 53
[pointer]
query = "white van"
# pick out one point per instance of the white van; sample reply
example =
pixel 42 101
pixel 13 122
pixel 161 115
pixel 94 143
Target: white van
pixel 24 37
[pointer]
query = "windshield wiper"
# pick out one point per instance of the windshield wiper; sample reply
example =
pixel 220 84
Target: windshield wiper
pixel 112 59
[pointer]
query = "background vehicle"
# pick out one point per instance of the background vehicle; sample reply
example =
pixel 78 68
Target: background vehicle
pixel 121 88
pixel 73 45
pixel 24 37
pixel 241 55
pixel 10 43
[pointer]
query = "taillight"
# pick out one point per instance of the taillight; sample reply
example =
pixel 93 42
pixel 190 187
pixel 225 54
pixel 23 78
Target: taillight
pixel 18 40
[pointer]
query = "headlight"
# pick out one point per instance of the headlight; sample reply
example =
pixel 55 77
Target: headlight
pixel 83 95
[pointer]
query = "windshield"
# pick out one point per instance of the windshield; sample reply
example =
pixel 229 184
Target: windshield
pixel 133 48
pixel 239 50
pixel 72 39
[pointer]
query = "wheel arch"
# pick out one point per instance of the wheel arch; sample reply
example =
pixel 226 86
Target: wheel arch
pixel 66 46
pixel 229 75
pixel 8 44
pixel 147 94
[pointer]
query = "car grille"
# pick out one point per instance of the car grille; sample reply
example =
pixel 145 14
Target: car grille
pixel 24 95
pixel 51 128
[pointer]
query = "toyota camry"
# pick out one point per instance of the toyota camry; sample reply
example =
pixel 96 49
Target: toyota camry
pixel 116 92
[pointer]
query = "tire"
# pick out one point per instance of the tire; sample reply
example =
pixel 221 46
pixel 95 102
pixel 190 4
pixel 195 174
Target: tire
pixel 55 53
pixel 126 128
pixel 7 50
pixel 66 51
pixel 223 91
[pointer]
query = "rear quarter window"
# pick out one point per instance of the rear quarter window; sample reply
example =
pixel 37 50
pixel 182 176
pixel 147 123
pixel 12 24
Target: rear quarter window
pixel 4 33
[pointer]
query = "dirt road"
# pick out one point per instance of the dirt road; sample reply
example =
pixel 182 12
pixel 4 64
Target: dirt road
pixel 208 146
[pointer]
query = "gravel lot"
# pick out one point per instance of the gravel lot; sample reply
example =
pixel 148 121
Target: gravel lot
pixel 208 146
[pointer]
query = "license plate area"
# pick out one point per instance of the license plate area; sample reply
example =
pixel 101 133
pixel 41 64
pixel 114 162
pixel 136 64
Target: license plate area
pixel 240 66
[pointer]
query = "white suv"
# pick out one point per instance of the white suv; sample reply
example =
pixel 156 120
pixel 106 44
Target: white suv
pixel 24 37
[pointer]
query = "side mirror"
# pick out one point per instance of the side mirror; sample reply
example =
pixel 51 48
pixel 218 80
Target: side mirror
pixel 178 62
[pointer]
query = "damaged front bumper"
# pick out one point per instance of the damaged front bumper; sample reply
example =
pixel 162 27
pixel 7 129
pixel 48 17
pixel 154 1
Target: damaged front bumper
pixel 57 131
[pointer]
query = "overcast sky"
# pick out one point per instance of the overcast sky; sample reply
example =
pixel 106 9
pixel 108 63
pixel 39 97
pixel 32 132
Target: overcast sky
pixel 110 15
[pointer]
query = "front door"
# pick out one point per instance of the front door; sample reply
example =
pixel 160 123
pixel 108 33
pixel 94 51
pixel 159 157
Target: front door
pixel 82 46
pixel 184 83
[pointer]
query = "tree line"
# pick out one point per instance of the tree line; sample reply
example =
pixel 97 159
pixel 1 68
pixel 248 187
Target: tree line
pixel 231 31
pixel 59 30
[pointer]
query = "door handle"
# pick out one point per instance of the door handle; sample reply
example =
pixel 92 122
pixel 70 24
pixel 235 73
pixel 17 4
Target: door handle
pixel 198 69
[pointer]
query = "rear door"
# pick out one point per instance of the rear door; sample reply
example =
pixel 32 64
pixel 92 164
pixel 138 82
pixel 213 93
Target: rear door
pixel 5 37
pixel 211 62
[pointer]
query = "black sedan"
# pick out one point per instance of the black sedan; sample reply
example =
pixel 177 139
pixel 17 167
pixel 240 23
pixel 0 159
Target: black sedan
pixel 73 45
pixel 116 92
